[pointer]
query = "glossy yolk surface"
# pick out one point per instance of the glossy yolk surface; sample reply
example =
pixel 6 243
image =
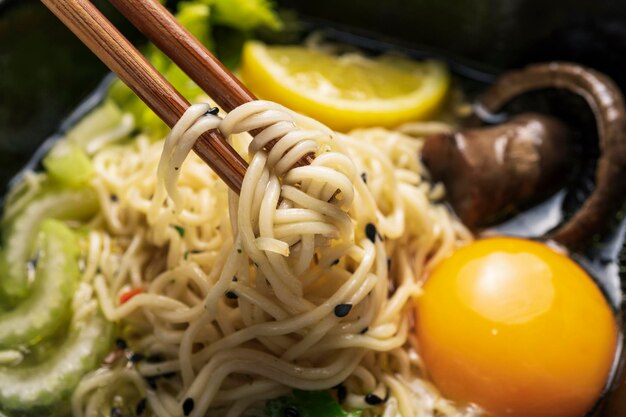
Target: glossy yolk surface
pixel 516 328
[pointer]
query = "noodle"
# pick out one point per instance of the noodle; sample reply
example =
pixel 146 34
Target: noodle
pixel 305 280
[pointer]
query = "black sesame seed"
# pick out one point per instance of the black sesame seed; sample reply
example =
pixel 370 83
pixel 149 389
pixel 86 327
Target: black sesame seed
pixel 342 393
pixel 238 250
pixel 155 359
pixel 605 259
pixel 213 110
pixel 371 232
pixel 364 177
pixel 389 263
pixel 120 344
pixel 188 405
pixel 114 198
pixel 116 412
pixel 152 382
pixel 176 168
pixel 335 262
pixel 231 295
pixel 373 399
pixel 32 262
pixel 365 329
pixel 291 411
pixel 235 279
pixel 141 407
pixel 136 357
pixel 342 310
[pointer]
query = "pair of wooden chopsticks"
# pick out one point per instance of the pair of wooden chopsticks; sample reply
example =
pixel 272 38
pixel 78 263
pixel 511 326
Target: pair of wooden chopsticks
pixel 158 24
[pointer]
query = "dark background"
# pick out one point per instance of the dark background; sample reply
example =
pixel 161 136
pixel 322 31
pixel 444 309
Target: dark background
pixel 494 34
pixel 45 72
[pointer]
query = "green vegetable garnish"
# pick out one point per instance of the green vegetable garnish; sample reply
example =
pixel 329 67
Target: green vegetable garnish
pixel 100 121
pixel 245 14
pixel 45 380
pixel 308 404
pixel 180 230
pixel 233 19
pixel 40 389
pixel 48 304
pixel 194 16
pixel 20 232
pixel 68 165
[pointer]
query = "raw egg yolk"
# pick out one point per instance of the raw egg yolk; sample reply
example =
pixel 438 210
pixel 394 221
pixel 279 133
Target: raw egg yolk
pixel 516 328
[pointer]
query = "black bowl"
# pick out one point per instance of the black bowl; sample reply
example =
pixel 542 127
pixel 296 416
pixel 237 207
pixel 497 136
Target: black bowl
pixel 45 73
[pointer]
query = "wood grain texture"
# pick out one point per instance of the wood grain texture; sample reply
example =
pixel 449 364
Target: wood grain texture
pixel 104 40
pixel 162 28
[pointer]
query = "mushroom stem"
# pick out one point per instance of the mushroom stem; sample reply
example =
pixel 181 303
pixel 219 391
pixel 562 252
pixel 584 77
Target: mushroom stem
pixel 489 169
pixel 607 103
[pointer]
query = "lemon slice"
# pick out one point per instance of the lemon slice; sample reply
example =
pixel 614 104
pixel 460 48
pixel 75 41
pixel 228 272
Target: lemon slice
pixel 345 91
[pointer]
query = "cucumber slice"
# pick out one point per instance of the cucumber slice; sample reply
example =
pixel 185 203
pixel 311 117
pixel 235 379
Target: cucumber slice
pixel 48 305
pixel 22 230
pixel 37 389
pixel 68 165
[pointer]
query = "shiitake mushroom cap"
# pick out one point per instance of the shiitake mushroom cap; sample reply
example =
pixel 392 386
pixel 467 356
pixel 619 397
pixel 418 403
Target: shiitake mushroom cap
pixel 489 170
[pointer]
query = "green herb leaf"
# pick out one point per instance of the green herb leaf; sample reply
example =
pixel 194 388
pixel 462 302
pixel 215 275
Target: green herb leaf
pixel 236 20
pixel 308 404
pixel 179 229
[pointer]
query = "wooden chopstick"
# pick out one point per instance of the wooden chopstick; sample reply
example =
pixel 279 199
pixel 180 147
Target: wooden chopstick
pixel 162 28
pixel 104 40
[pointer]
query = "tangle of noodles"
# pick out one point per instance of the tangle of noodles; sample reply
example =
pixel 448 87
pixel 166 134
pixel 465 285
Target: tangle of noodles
pixel 306 280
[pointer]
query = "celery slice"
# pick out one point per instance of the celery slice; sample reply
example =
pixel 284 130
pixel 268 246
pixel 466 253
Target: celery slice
pixel 23 228
pixel 36 389
pixel 100 121
pixel 48 305
pixel 246 14
pixel 68 165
